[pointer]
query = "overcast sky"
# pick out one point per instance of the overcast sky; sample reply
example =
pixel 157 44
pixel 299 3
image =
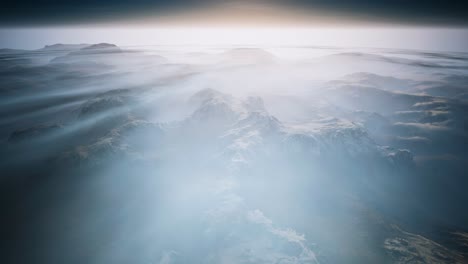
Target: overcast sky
pixel 430 25
pixel 53 12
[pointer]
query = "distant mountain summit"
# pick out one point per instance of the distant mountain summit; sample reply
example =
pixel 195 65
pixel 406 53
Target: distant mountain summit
pixel 85 47
pixel 100 46
pixel 66 47
pixel 86 52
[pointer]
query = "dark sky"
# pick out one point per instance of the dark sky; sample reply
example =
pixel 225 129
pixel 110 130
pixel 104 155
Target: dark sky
pixel 58 12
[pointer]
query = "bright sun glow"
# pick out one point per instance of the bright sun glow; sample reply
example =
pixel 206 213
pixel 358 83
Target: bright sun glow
pixel 404 37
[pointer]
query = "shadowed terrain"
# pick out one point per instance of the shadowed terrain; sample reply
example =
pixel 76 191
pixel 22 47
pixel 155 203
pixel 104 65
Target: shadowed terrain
pixel 233 155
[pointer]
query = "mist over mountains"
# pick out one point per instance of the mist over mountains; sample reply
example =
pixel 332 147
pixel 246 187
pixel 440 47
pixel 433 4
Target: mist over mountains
pixel 222 154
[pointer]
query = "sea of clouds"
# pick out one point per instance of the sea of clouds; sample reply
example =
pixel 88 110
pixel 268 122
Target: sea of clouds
pixel 227 154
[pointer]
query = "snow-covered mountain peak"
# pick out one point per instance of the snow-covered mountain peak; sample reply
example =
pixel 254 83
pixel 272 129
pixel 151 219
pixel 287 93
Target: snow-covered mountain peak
pixel 214 105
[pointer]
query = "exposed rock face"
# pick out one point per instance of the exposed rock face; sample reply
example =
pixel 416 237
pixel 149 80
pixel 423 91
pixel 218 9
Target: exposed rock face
pixel 64 47
pixel 378 81
pixel 242 127
pixel 249 129
pixel 131 140
pixel 101 48
pixel 87 54
pixel 406 247
pixel 107 101
pixel 322 163
pixel 399 157
pixel 223 109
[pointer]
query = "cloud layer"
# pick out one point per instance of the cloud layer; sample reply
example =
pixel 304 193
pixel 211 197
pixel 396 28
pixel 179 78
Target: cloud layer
pixel 215 154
